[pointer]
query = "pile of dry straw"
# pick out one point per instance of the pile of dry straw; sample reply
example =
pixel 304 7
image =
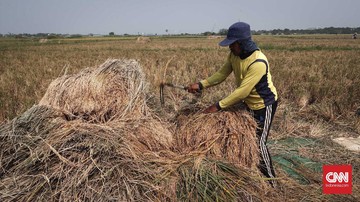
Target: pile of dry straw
pixel 92 137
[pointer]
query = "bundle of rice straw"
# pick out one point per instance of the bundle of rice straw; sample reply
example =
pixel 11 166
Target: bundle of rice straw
pixel 229 135
pixel 206 179
pixel 143 39
pixel 114 90
pixel 47 158
pixel 90 138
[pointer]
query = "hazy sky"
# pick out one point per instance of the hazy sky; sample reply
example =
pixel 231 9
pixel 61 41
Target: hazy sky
pixel 180 16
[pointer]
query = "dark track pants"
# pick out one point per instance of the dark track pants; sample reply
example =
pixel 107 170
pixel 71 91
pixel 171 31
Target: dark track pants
pixel 264 119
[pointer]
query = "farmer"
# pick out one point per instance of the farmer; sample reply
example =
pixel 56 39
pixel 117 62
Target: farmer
pixel 254 86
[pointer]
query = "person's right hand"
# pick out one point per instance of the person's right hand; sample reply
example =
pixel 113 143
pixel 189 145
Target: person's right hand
pixel 193 88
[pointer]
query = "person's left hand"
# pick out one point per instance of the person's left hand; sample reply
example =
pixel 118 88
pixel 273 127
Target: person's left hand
pixel 211 109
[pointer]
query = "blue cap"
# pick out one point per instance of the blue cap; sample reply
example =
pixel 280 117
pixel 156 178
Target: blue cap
pixel 237 32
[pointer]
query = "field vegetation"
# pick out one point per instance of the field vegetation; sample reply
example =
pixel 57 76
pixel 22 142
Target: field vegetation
pixel 317 73
pixel 317 78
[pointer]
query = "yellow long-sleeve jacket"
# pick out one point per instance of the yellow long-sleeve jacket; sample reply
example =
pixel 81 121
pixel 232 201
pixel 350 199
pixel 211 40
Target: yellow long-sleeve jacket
pixel 253 80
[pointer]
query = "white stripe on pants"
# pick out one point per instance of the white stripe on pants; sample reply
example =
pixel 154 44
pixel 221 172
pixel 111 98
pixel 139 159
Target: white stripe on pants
pixel 263 149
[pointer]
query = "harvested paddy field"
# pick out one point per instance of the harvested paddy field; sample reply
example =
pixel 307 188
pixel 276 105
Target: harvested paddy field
pixel 81 120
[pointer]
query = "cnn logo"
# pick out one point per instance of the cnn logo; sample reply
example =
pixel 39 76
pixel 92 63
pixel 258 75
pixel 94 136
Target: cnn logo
pixel 337 179
pixel 334 177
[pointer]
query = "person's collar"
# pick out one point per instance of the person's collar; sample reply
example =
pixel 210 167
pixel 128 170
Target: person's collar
pixel 243 56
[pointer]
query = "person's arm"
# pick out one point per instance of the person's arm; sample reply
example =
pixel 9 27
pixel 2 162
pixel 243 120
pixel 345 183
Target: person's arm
pixel 252 77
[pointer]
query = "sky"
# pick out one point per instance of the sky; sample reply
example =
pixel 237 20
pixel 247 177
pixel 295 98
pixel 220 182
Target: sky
pixel 180 16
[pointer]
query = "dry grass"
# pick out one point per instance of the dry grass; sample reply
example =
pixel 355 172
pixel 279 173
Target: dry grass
pixel 114 90
pixel 228 135
pixel 316 77
pixel 50 158
pixel 73 151
pixel 142 39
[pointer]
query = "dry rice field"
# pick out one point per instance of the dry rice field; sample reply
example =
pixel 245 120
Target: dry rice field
pixel 317 78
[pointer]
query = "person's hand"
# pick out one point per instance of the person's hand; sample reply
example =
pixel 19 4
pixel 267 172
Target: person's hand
pixel 193 88
pixel 211 109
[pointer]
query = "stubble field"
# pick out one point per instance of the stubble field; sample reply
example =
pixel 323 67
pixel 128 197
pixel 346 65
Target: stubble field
pixel 317 78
